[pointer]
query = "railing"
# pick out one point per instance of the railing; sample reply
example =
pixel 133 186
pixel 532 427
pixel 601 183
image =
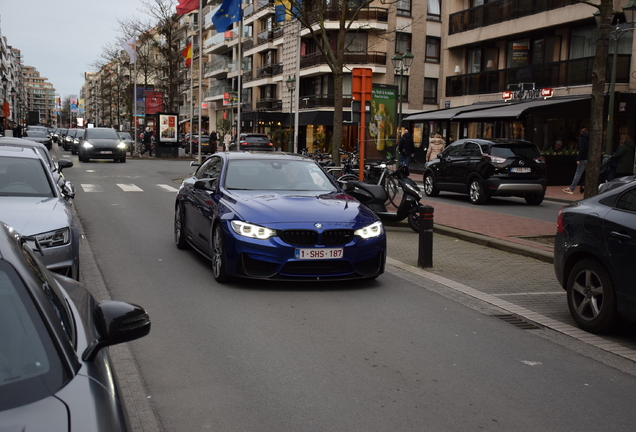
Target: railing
pixel 265 71
pixel 556 74
pixel 248 43
pixel 269 104
pixel 499 11
pixel 365 14
pixel 365 57
pixel 264 37
pixel 217 90
pixel 248 75
pixel 217 65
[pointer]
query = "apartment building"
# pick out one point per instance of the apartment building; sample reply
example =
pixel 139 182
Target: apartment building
pixel 12 84
pixel 39 95
pixel 516 49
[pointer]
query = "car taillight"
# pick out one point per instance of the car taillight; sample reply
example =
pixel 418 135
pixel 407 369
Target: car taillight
pixel 270 144
pixel 243 143
pixel 560 227
pixel 540 159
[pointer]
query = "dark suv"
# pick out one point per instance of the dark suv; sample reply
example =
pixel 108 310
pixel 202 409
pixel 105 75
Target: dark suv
pixel 253 141
pixel 485 168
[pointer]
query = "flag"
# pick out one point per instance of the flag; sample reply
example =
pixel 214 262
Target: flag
pixel 229 12
pixel 129 47
pixel 187 53
pixel 186 6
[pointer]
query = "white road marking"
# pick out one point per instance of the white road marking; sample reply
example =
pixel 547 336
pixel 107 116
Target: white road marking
pixel 92 188
pixel 168 188
pixel 129 187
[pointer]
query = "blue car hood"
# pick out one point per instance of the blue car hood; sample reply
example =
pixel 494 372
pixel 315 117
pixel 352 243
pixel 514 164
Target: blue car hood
pixel 34 215
pixel 271 207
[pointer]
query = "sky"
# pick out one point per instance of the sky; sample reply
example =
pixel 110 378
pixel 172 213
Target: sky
pixel 62 38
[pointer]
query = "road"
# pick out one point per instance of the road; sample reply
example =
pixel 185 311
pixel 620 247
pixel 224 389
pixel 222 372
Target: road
pixel 394 354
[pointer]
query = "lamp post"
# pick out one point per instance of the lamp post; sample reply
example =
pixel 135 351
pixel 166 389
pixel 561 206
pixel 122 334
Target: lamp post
pixel 291 86
pixel 401 64
pixel 615 33
pixel 5 81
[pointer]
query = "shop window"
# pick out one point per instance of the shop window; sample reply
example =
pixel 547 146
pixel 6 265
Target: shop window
pixel 433 49
pixel 430 90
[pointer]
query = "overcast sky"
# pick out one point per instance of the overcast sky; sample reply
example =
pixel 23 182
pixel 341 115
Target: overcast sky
pixel 61 38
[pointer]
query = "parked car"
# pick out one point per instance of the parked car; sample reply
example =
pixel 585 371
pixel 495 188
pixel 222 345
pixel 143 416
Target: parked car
pixel 594 256
pixel 55 373
pixel 77 140
pixel 55 167
pixel 102 143
pixel 253 141
pixel 485 168
pixel 32 203
pixel 127 138
pixel 205 145
pixel 69 137
pixel 39 136
pixel 276 216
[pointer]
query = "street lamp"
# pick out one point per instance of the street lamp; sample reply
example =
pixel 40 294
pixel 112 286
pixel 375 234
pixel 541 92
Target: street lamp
pixel 615 33
pixel 5 81
pixel 291 86
pixel 401 64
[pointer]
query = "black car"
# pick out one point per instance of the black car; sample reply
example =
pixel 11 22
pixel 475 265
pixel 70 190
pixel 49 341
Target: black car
pixel 55 374
pixel 253 141
pixel 594 256
pixel 484 168
pixel 102 143
pixel 77 140
pixel 39 136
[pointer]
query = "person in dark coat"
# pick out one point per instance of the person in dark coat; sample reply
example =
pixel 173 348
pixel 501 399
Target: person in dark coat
pixel 406 148
pixel 213 138
pixel 581 159
pixel 624 157
pixel 147 142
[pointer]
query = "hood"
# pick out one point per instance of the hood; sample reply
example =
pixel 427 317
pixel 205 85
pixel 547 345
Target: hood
pixel 104 142
pixel 270 207
pixel 34 215
pixel 48 414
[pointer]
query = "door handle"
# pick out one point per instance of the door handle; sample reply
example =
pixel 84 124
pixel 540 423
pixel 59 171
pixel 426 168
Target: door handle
pixel 620 236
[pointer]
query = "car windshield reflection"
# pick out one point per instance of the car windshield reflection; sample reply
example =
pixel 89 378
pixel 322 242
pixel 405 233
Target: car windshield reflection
pixel 277 175
pixel 23 177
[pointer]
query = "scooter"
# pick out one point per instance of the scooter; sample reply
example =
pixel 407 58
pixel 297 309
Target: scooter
pixel 375 197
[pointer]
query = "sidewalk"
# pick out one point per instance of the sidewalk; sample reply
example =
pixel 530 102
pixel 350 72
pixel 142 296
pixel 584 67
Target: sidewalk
pixel 517 234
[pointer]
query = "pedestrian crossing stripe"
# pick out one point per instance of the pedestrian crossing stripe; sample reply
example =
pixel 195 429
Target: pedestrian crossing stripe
pixel 126 187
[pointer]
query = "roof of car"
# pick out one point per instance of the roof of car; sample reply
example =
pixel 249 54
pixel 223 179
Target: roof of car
pixel 493 141
pixel 234 155
pixel 19 142
pixel 19 151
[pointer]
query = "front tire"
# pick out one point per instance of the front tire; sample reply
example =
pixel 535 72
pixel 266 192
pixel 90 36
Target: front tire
pixel 219 265
pixel 476 192
pixel 591 297
pixel 179 232
pixel 430 188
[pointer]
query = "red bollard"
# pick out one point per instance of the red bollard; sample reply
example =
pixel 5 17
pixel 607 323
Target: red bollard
pixel 425 249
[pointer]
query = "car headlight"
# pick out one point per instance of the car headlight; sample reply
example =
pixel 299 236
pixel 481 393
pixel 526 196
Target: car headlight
pixel 252 231
pixel 54 238
pixel 87 145
pixel 370 231
pixel 121 145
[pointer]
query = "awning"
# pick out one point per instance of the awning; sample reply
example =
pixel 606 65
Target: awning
pixel 451 113
pixel 514 110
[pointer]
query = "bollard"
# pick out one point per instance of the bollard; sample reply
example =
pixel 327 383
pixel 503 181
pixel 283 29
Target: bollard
pixel 425 249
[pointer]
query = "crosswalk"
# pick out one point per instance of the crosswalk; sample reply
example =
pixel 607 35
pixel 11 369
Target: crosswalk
pixel 126 187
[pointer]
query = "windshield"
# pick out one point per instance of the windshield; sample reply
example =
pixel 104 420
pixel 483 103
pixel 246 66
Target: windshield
pixel 287 175
pixel 24 177
pixel 102 134
pixel 29 366
pixel 37 134
pixel 124 135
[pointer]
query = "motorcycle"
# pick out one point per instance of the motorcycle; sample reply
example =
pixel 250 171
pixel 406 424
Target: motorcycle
pixel 375 197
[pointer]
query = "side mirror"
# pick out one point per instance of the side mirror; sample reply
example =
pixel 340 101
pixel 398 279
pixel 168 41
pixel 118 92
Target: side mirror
pixel 64 163
pixel 206 184
pixel 116 322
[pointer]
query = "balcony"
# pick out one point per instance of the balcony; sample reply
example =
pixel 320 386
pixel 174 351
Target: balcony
pixel 219 66
pixel 499 11
pixel 350 58
pixel 558 74
pixel 264 37
pixel 215 91
pixel 269 70
pixel 269 104
pixel 365 14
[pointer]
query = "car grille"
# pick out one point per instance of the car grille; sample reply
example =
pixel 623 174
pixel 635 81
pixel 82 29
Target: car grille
pixel 310 237
pixel 318 268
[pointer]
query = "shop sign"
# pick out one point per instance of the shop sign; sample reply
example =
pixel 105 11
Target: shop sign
pixel 527 93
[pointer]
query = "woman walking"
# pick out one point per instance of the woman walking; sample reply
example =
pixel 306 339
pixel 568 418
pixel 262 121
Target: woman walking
pixel 435 147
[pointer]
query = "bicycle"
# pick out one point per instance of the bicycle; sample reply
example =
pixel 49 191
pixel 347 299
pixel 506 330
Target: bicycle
pixel 379 174
pixel 346 172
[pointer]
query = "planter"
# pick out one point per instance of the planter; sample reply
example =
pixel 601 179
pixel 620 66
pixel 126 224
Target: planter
pixel 560 169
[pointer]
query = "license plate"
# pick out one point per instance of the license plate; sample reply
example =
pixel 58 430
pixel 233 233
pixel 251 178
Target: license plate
pixel 106 152
pixel 520 170
pixel 316 254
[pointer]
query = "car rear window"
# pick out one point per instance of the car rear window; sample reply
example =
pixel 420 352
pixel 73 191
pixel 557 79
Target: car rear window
pixel 526 151
pixel 255 139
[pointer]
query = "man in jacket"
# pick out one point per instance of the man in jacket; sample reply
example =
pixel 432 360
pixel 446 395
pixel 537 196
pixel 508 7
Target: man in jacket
pixel 581 159
pixel 406 148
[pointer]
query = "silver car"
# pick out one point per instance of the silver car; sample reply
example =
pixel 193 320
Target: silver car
pixel 32 203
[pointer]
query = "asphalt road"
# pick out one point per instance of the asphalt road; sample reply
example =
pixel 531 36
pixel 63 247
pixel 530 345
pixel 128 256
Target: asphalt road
pixel 389 355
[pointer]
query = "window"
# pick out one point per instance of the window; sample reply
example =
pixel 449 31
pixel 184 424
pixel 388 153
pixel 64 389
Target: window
pixel 430 90
pixel 583 42
pixel 434 9
pixel 433 49
pixel 474 60
pixel 519 53
pixel 627 201
pixel 404 7
pixel 404 87
pixel 356 42
pixel 402 42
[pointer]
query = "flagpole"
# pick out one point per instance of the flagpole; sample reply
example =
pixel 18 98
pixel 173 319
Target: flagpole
pixel 200 98
pixel 240 78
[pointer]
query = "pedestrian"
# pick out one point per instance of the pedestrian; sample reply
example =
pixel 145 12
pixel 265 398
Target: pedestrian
pixel 624 158
pixel 17 131
pixel 581 160
pixel 147 142
pixel 435 147
pixel 213 139
pixel 226 140
pixel 406 148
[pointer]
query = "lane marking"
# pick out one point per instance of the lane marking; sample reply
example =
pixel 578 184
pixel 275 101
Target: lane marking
pixel 168 188
pixel 92 188
pixel 129 187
